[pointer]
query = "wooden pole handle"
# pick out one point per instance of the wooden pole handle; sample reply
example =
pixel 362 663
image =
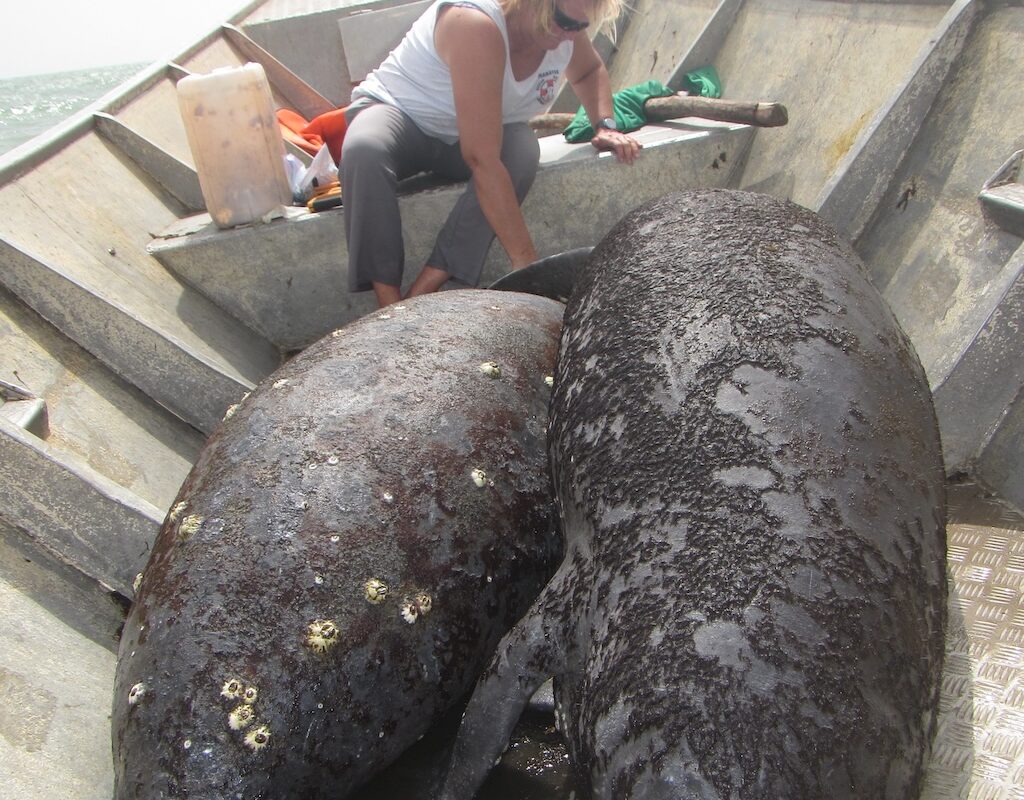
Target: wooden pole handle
pixel 660 109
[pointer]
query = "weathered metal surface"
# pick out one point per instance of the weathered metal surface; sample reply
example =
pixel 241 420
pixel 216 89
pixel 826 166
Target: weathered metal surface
pixel 348 548
pixel 747 463
pixel 293 270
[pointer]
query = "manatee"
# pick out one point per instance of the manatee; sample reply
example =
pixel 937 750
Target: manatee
pixel 747 464
pixel 345 554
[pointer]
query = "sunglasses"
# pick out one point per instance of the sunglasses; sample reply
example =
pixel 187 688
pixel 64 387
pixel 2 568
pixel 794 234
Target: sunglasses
pixel 565 22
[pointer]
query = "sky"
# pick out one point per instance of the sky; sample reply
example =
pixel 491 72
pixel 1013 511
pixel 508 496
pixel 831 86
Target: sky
pixel 40 36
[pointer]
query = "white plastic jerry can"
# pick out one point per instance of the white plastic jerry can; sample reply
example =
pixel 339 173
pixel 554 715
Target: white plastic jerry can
pixel 236 143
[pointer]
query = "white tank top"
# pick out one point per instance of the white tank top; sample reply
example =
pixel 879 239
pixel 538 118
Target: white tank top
pixel 415 79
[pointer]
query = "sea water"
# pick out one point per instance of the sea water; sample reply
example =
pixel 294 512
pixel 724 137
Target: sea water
pixel 32 104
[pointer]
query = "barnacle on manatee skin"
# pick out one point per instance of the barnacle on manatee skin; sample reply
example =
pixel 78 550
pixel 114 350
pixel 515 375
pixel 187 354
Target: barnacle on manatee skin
pixel 376 591
pixel 240 717
pixel 136 693
pixel 479 477
pixel 415 608
pixel 423 602
pixel 250 694
pixel 232 689
pixel 258 738
pixel 490 369
pixel 322 635
pixel 189 525
pixel 177 511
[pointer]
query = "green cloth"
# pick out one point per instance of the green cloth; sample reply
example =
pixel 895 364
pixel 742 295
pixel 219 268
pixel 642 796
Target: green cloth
pixel 629 111
pixel 703 82
pixel 629 103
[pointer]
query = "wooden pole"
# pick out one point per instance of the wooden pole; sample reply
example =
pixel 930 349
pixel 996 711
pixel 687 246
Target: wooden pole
pixel 660 109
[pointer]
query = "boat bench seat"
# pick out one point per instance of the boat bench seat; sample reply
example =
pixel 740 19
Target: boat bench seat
pixel 286 279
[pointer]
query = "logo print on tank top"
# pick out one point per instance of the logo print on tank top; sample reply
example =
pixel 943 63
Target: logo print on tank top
pixel 546 83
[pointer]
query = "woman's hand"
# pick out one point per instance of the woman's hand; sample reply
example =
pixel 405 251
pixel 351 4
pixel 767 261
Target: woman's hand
pixel 626 148
pixel 588 77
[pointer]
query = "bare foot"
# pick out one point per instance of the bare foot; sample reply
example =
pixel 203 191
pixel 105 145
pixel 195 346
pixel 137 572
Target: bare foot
pixel 429 280
pixel 386 294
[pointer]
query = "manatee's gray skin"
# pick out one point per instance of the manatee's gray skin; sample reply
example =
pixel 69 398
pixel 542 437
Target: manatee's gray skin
pixel 354 462
pixel 747 463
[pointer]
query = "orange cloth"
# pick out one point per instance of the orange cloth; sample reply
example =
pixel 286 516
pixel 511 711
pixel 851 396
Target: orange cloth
pixel 292 126
pixel 328 128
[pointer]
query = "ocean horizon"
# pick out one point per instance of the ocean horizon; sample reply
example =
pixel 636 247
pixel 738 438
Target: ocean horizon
pixel 32 104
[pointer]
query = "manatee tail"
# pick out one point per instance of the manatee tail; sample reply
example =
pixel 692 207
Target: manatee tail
pixel 528 655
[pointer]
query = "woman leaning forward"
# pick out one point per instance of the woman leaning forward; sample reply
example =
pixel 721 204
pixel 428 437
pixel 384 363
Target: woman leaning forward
pixel 454 99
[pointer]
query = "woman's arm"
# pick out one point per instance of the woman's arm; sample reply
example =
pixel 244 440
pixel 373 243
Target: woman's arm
pixel 469 42
pixel 588 77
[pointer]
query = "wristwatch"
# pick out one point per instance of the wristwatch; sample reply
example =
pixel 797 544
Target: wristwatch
pixel 608 123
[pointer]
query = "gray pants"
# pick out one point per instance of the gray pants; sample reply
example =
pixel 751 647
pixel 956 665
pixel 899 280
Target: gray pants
pixel 382 146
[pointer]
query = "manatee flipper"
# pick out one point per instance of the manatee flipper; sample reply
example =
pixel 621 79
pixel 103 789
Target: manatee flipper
pixel 528 655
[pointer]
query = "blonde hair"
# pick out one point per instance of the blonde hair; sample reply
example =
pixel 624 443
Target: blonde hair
pixel 604 13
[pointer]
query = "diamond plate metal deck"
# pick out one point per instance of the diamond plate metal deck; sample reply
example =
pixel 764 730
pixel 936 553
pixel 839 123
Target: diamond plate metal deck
pixel 978 752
